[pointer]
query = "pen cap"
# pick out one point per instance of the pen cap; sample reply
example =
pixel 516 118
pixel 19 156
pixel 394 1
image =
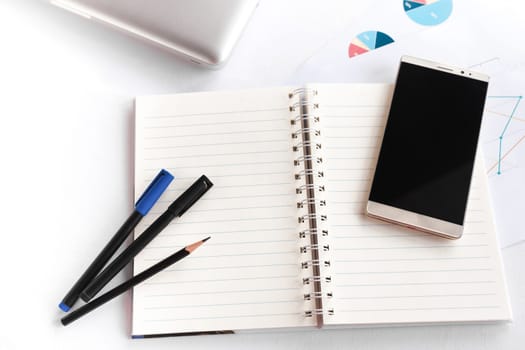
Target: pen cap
pixel 153 192
pixel 190 196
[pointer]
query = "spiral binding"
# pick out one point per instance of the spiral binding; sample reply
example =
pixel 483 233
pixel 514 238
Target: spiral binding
pixel 302 188
pixel 300 145
pixel 306 131
pixel 318 312
pixel 303 218
pixel 312 279
pixel 317 295
pixel 301 91
pixel 304 233
pixel 303 159
pixel 303 172
pixel 314 201
pixel 306 248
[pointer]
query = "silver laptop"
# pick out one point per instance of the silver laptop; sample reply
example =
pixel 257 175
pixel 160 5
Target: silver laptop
pixel 203 31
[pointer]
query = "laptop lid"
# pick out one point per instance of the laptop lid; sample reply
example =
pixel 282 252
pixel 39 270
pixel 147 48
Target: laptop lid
pixel 204 31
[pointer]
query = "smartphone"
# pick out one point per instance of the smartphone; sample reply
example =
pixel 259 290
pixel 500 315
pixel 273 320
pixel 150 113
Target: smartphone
pixel 424 169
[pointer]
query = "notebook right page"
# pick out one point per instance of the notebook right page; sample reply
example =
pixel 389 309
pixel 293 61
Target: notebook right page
pixel 383 273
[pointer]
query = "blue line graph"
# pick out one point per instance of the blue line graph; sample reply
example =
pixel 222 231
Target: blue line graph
pixel 518 100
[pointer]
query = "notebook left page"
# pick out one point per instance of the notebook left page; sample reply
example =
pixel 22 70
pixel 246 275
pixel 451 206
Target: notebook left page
pixel 248 275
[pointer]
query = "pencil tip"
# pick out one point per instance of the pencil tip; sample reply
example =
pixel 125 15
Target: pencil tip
pixel 205 239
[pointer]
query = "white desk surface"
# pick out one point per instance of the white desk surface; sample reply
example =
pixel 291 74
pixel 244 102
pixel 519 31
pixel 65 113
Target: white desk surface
pixel 66 100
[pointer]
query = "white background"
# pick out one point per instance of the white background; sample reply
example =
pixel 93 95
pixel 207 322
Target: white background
pixel 66 160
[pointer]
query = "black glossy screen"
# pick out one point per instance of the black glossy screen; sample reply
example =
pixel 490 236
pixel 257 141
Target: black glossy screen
pixel 427 155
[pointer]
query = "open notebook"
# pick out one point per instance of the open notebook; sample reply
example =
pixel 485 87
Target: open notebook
pixel 291 246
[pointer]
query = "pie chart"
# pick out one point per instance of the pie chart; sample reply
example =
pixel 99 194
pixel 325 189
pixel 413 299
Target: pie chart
pixel 368 41
pixel 428 12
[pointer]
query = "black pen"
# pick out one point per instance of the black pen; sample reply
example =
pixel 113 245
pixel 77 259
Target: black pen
pixel 142 207
pixel 144 275
pixel 177 208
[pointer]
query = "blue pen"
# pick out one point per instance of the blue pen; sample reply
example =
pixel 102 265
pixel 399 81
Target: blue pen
pixel 142 207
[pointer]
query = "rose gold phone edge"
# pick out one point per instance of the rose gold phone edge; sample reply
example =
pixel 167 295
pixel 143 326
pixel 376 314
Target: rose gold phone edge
pixel 407 218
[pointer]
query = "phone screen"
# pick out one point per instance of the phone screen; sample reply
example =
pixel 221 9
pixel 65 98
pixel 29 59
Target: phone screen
pixel 427 156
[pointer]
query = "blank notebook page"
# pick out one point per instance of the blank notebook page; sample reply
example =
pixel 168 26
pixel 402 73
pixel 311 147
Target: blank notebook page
pixel 247 275
pixel 383 273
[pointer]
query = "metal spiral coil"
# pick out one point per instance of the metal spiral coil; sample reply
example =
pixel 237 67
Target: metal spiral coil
pixel 302 159
pixel 302 188
pixel 314 312
pixel 317 295
pixel 312 279
pixel 306 264
pixel 301 91
pixel 300 145
pixel 299 104
pixel 312 172
pixel 305 217
pixel 309 247
pixel 311 232
pixel 305 131
pixel 314 262
pixel 305 116
pixel 308 201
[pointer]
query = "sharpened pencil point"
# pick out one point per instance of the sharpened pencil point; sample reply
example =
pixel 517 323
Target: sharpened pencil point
pixel 196 245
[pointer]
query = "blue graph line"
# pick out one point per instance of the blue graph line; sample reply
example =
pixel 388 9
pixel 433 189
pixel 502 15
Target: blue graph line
pixel 518 100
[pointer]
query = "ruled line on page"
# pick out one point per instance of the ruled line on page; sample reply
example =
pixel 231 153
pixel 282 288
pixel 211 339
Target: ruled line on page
pixel 203 166
pixel 343 169
pixel 416 247
pixel 277 229
pixel 178 223
pixel 348 236
pixel 218 154
pixel 351 126
pixel 346 116
pixel 230 255
pixel 227 175
pixel 247 207
pixel 349 191
pixel 228 316
pixel 351 137
pixel 170 247
pixel 233 267
pixel 352 285
pixel 352 106
pixel 350 147
pixel 362 225
pixel 213 198
pixel 177 189
pixel 423 308
pixel 348 180
pixel 285 109
pixel 408 271
pixel 244 121
pixel 382 235
pixel 412 259
pixel 221 292
pixel 192 306
pixel 215 144
pixel 348 202
pixel 232 209
pixel 350 158
pixel 216 133
pixel 418 296
pixel 221 280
